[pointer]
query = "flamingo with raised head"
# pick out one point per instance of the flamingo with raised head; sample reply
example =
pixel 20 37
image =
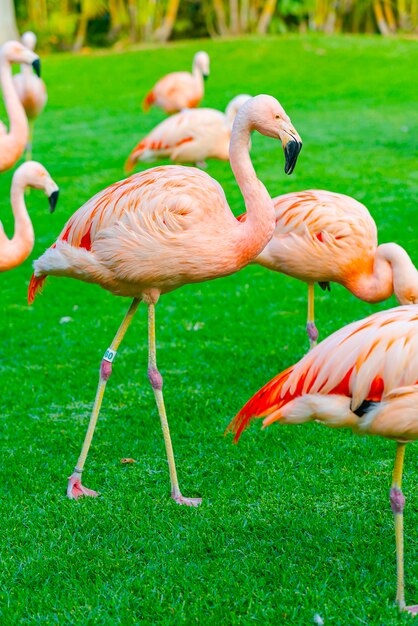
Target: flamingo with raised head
pixel 15 250
pixel 363 377
pixel 161 229
pixel 180 90
pixel 323 237
pixel 12 143
pixel 31 91
pixel 193 135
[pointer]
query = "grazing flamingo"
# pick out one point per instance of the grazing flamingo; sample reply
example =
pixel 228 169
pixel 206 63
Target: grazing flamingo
pixel 326 237
pixel 363 377
pixel 14 251
pixel 180 90
pixel 31 91
pixel 192 135
pixel 12 144
pixel 161 229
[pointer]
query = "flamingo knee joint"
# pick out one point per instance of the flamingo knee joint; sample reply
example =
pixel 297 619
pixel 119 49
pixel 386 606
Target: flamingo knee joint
pixel 397 500
pixel 155 378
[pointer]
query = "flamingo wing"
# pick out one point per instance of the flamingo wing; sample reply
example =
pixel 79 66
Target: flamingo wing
pixel 363 361
pixel 191 135
pixel 320 236
pixel 114 239
pixel 177 91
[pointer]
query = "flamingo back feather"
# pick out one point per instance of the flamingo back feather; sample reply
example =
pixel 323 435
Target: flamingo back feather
pixel 363 361
pixel 148 101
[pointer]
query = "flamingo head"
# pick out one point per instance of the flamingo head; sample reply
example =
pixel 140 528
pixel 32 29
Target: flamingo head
pixel 33 174
pixel 201 61
pixel 266 115
pixel 16 52
pixel 29 40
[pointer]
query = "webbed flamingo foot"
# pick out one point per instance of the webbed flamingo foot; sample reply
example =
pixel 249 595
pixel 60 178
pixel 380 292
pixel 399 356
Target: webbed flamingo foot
pixel 76 490
pixel 177 497
pixel 412 609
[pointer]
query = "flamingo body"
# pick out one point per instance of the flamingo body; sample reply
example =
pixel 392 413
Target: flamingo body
pixel 365 361
pixel 13 142
pixel 324 237
pixel 15 250
pixel 193 135
pixel 180 90
pixel 363 377
pixel 172 213
pixel 160 229
pixel 31 91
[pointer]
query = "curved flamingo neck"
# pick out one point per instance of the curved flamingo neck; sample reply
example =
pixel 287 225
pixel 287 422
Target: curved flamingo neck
pixel 258 227
pixel 393 271
pixel 198 75
pixel 26 71
pixel 18 123
pixel 23 236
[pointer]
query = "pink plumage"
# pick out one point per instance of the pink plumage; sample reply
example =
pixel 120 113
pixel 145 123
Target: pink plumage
pixel 13 141
pixel 180 90
pixel 363 377
pixel 323 237
pixel 193 135
pixel 163 228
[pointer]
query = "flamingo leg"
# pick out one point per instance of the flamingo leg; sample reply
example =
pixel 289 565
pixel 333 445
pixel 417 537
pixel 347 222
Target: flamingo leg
pixel 397 502
pixel 311 329
pixel 156 381
pixel 28 151
pixel 75 489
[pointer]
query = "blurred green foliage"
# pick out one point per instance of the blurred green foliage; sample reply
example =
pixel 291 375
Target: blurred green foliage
pixel 66 24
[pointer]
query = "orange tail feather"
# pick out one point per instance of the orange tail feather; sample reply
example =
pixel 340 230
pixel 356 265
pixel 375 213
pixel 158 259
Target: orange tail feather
pixel 149 100
pixel 264 402
pixel 36 285
pixel 133 157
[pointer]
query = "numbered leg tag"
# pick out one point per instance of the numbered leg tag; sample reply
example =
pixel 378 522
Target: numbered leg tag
pixel 109 355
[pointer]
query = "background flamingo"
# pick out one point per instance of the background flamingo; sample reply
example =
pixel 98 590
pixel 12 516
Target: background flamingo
pixel 193 135
pixel 31 91
pixel 14 251
pixel 159 230
pixel 363 377
pixel 12 143
pixel 180 90
pixel 324 237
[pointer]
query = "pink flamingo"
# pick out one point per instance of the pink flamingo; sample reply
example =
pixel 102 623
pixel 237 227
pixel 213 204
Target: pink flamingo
pixel 326 237
pixel 161 229
pixel 192 135
pixel 363 377
pixel 31 91
pixel 12 143
pixel 180 90
pixel 14 251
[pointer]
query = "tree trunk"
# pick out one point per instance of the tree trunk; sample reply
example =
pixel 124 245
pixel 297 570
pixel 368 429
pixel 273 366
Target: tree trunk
pixel 220 17
pixel 380 19
pixel 266 15
pixel 390 18
pixel 164 32
pixel 245 11
pixel 81 32
pixel 8 28
pixel 234 16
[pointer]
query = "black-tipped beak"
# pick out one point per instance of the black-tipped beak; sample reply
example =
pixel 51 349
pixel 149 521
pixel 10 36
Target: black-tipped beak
pixel 205 77
pixel 53 199
pixel 36 64
pixel 291 153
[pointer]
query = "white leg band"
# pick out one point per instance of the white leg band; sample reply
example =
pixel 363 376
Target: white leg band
pixel 110 355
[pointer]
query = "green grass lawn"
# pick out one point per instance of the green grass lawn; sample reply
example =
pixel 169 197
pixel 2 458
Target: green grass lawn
pixel 294 521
